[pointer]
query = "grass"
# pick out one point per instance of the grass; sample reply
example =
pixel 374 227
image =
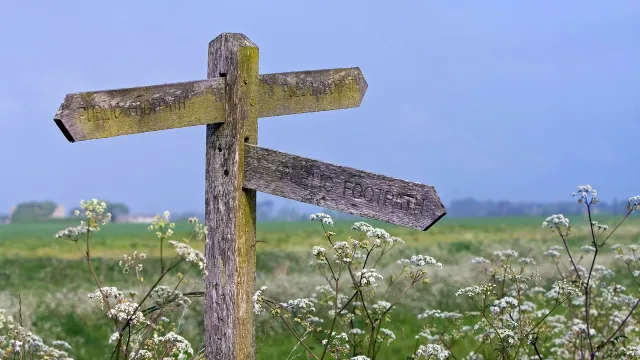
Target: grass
pixel 51 279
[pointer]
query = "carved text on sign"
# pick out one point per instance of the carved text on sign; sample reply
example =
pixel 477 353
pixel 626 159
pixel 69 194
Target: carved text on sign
pixel 352 187
pixel 309 88
pixel 97 113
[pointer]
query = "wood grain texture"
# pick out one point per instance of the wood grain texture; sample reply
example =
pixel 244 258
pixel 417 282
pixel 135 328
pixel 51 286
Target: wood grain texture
pixel 342 188
pixel 310 91
pixel 230 211
pixel 109 113
pixel 102 114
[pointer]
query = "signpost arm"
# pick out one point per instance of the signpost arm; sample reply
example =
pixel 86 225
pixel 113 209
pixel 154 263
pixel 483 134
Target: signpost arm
pixel 230 210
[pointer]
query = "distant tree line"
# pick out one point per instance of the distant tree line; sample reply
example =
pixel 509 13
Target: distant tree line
pixel 470 207
pixel 33 211
pixel 267 211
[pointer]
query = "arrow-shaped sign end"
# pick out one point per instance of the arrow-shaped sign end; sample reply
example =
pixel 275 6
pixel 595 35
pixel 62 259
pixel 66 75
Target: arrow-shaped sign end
pixel 58 120
pixel 362 85
pixel 435 221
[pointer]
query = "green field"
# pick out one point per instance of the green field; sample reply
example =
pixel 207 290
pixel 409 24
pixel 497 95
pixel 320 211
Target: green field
pixel 52 281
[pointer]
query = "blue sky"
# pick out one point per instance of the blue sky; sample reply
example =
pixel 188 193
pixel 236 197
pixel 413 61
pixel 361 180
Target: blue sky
pixel 490 99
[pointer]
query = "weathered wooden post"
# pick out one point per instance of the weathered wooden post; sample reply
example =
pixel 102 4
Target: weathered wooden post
pixel 230 102
pixel 231 210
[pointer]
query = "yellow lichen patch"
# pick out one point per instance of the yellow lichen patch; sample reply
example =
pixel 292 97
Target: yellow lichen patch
pixel 105 114
pixel 340 90
pixel 197 110
pixel 246 206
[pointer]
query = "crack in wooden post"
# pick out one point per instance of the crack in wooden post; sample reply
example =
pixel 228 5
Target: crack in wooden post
pixel 230 210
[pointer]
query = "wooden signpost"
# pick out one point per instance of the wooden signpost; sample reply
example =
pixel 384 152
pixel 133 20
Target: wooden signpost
pixel 229 103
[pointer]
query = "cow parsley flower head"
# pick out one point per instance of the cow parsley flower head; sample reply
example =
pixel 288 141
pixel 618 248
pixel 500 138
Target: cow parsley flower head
pixel 362 227
pixel 634 203
pixel 632 352
pixel 379 234
pixel 179 346
pixel 132 262
pixel 142 355
pixel 431 351
pixel 386 335
pixel 319 252
pixel 505 254
pixel 419 261
pixel 305 305
pixel 565 287
pixel 598 226
pixel 339 344
pixel 586 195
pixel 394 240
pixel 588 249
pixel 553 252
pixel 527 261
pixel 480 260
pixel 322 217
pixel 72 233
pixel 93 207
pixel 126 311
pixel 506 302
pixel 359 357
pixel 94 210
pixel 381 307
pixel 555 221
pixel 189 254
pixel 474 290
pixel 368 277
pixel 437 314
pixel 105 293
pixel 344 252
pixel 165 296
pixel 258 301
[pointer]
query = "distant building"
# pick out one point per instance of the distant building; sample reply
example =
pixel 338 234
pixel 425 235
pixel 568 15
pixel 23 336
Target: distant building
pixel 11 211
pixel 58 213
pixel 137 219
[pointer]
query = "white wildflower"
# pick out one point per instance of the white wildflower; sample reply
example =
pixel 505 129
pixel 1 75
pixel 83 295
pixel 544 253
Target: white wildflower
pixel 419 261
pixel 368 277
pixel 189 254
pixel 362 226
pixel 505 254
pixel 258 301
pixel 554 221
pixel 380 234
pixel 588 249
pixel 634 203
pixel 430 350
pixel 72 233
pixel 319 252
pixel 586 194
pixel 387 335
pixel 126 311
pixel 178 345
pixel 480 260
pixel 527 261
pixel 324 218
pixel 105 293
pixel 471 291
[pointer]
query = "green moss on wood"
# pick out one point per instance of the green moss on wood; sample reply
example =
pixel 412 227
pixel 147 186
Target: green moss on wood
pixel 121 120
pixel 247 131
pixel 342 89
